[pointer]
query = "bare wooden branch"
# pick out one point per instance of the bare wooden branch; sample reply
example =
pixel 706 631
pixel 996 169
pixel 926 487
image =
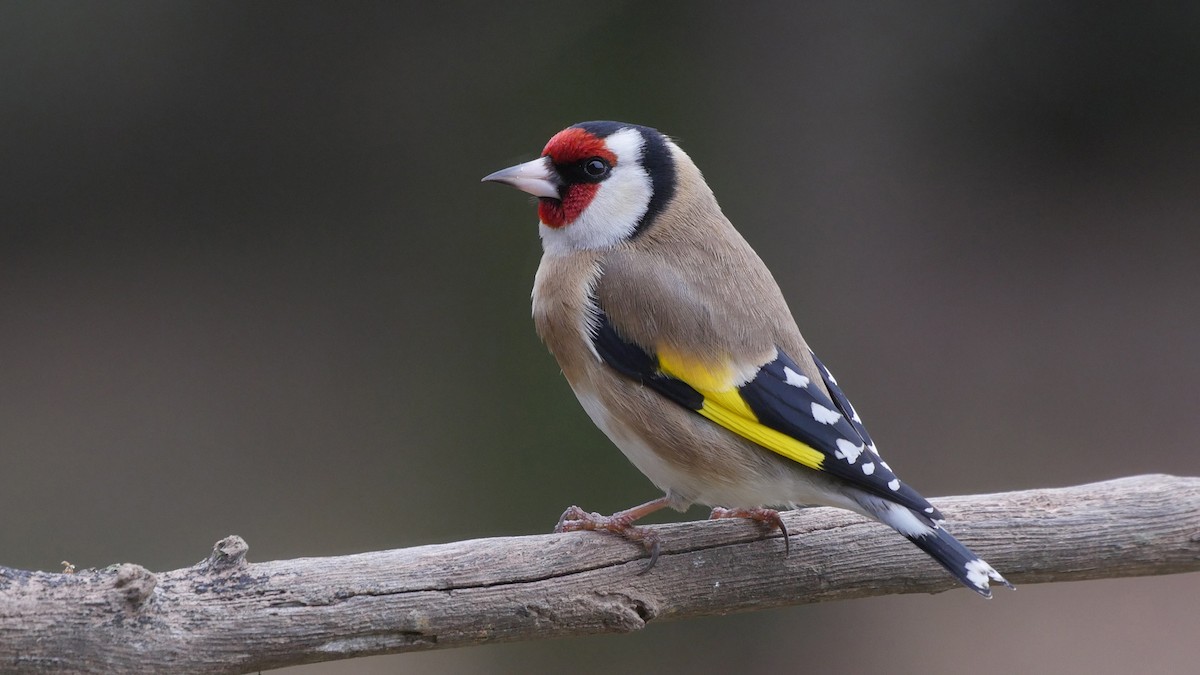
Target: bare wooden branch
pixel 225 615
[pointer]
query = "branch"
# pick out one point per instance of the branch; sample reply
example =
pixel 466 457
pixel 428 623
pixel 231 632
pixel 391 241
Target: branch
pixel 225 615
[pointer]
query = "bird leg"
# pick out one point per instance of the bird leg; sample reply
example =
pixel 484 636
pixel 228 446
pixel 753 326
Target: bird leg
pixel 620 523
pixel 769 517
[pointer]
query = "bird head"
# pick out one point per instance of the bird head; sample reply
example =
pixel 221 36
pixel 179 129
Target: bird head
pixel 597 183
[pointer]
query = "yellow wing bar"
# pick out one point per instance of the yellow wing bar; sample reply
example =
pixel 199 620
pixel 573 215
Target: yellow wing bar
pixel 725 406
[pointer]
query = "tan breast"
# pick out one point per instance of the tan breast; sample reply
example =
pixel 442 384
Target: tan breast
pixel 562 309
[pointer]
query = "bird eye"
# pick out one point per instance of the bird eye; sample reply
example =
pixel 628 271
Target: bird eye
pixel 596 167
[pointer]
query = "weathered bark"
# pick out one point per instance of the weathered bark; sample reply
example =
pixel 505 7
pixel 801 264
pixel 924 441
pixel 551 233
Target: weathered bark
pixel 225 615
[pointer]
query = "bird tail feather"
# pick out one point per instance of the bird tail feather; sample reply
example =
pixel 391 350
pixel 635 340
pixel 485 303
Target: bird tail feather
pixel 960 561
pixel 928 535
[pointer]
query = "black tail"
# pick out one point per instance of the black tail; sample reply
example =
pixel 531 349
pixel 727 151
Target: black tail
pixel 968 568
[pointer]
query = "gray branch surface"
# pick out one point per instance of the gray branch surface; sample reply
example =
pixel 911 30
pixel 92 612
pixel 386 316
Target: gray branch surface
pixel 227 615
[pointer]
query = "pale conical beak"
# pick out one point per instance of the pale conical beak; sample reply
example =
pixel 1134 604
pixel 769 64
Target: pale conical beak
pixel 538 178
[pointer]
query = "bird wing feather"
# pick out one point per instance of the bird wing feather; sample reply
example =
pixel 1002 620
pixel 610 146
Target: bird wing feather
pixel 723 361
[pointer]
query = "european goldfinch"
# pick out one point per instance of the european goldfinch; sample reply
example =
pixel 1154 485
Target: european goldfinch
pixel 678 343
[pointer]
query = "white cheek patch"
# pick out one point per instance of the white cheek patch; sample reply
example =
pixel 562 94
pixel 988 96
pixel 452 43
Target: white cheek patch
pixel 620 202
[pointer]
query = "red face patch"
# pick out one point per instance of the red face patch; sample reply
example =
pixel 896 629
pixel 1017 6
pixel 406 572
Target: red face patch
pixel 574 144
pixel 566 147
pixel 555 213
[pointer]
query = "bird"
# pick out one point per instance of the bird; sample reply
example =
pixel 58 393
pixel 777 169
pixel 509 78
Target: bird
pixel 679 345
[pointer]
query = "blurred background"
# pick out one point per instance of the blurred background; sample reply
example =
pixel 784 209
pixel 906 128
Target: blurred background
pixel 250 283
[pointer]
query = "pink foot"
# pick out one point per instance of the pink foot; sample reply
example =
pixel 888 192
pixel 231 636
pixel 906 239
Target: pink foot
pixel 769 517
pixel 621 524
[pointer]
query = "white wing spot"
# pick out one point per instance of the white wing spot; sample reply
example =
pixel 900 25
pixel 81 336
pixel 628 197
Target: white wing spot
pixel 928 509
pixel 795 379
pixel 868 468
pixel 854 414
pixel 883 463
pixel 847 451
pixel 824 415
pixel 894 484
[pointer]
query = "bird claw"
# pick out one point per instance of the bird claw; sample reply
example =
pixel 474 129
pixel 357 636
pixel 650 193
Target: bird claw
pixel 575 519
pixel 768 517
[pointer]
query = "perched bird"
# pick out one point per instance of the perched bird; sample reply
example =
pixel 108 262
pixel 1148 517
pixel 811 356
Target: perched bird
pixel 679 345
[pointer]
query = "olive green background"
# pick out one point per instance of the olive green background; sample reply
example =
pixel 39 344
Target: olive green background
pixel 250 283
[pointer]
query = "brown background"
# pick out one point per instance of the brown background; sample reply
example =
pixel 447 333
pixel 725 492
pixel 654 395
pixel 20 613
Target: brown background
pixel 249 283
